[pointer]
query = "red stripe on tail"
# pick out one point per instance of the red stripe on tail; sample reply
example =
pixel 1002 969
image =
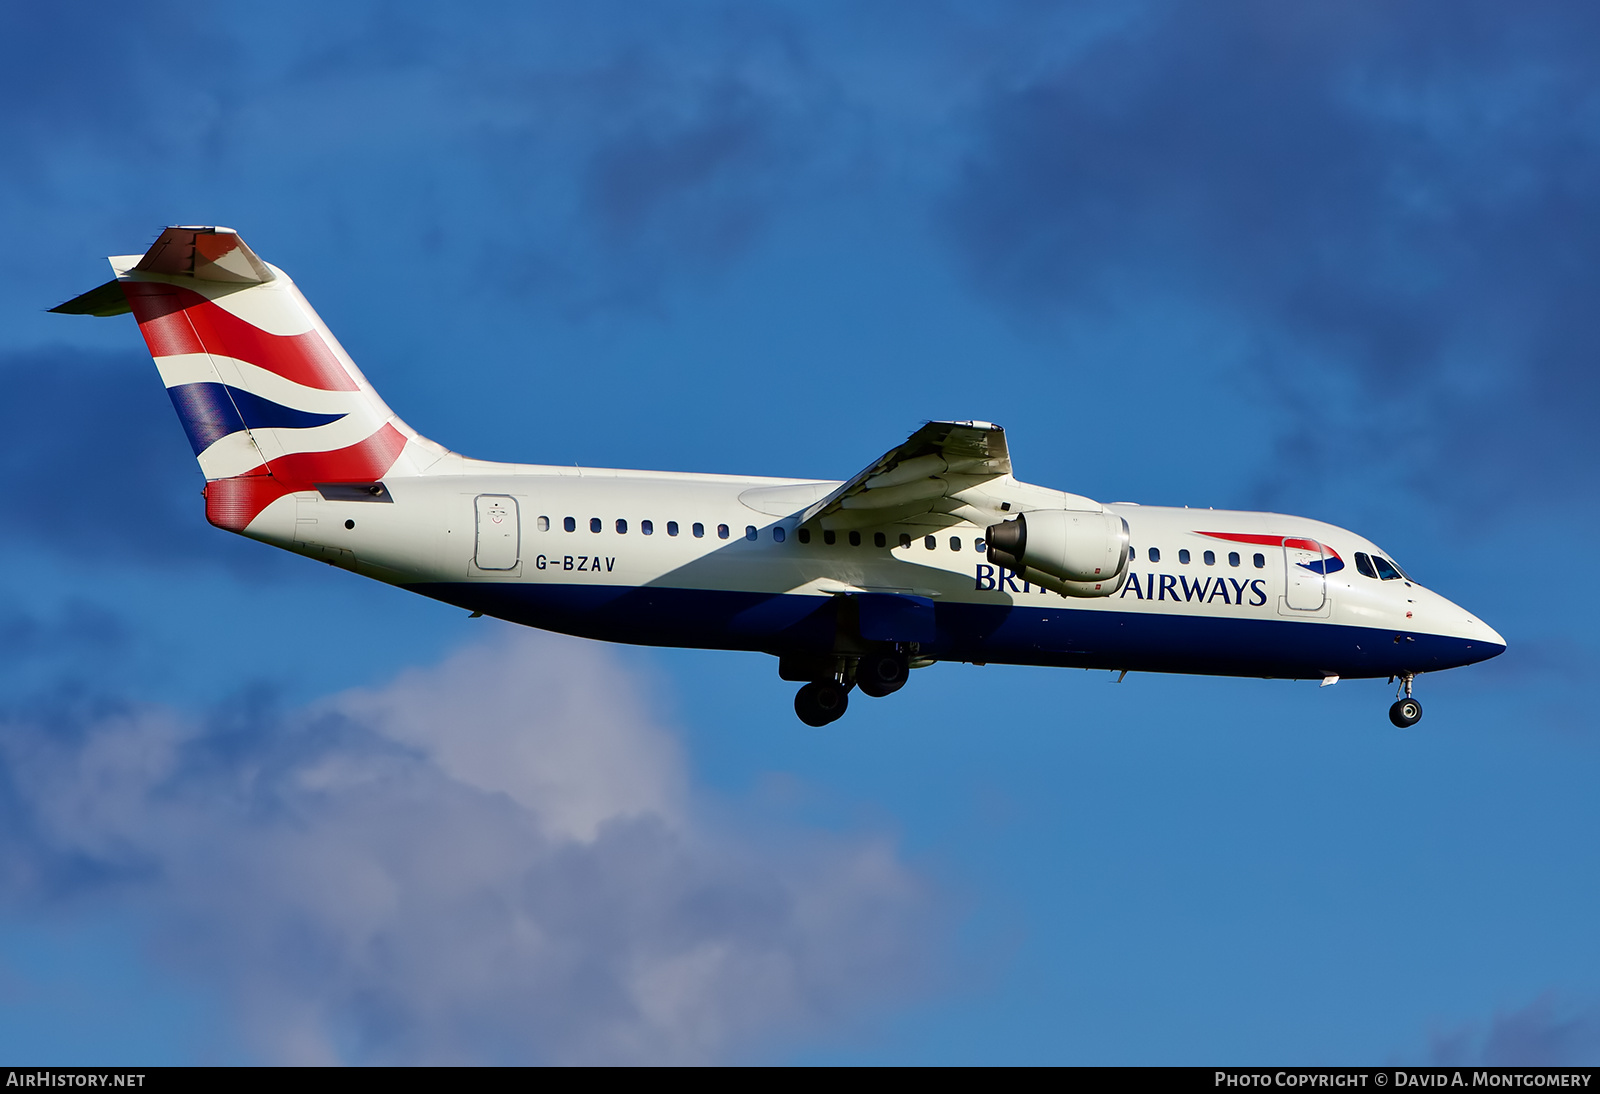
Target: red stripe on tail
pixel 234 503
pixel 175 320
pixel 161 320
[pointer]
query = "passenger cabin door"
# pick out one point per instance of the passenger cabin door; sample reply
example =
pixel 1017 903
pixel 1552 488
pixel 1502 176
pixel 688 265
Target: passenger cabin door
pixel 1305 586
pixel 499 532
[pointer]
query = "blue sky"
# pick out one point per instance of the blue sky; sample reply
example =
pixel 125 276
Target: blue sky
pixel 1336 260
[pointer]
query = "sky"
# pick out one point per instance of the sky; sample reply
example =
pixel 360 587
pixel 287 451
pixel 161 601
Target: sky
pixel 1337 260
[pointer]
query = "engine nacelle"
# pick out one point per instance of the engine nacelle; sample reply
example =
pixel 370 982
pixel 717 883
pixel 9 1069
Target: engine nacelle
pixel 1072 552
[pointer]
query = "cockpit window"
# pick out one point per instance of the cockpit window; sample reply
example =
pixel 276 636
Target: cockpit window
pixel 1387 570
pixel 1364 564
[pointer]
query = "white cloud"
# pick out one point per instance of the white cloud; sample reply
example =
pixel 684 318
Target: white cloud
pixel 543 722
pixel 497 859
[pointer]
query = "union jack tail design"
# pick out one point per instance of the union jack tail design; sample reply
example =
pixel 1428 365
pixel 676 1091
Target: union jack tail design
pixel 270 401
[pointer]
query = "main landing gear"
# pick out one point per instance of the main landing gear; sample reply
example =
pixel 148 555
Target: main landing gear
pixel 1406 712
pixel 881 674
pixel 825 700
pixel 821 702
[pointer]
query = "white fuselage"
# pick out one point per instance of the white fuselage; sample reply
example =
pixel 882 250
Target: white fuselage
pixel 723 565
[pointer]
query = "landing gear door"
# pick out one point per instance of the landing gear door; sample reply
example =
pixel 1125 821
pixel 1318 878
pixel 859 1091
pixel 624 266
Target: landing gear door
pixel 499 532
pixel 1305 587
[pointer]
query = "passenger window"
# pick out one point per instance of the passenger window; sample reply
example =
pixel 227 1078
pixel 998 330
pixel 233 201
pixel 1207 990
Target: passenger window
pixel 1233 558
pixel 1133 554
pixel 905 539
pixel 544 524
pixel 1260 561
pixel 955 543
pixel 672 527
pixel 1183 556
pixel 647 527
pixel 929 542
pixel 622 527
pixel 750 532
pixel 1386 569
pixel 977 545
pixel 1211 558
pixel 699 530
pixel 879 539
pixel 778 534
pixel 569 524
pixel 1364 565
pixel 594 524
pixel 829 538
pixel 805 535
pixel 855 539
pixel 1155 554
pixel 722 531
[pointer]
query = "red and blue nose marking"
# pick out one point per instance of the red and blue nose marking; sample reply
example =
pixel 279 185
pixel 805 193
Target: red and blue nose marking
pixel 1329 563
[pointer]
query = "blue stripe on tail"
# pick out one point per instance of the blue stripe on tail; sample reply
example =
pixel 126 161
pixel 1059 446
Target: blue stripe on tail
pixel 211 411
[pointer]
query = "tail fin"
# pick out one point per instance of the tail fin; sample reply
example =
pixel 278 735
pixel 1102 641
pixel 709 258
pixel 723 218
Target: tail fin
pixel 270 401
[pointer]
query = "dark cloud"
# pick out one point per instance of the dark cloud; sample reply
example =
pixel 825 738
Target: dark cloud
pixel 1549 1032
pixel 670 193
pixel 672 176
pixel 94 459
pixel 1406 200
pixel 76 631
pixel 122 80
pixel 679 146
pixel 497 860
pixel 78 624
pixel 617 149
pixel 96 465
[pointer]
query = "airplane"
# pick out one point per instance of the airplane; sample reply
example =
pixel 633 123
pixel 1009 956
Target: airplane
pixel 932 552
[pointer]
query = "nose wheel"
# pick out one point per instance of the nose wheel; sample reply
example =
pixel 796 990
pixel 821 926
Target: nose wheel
pixel 1406 711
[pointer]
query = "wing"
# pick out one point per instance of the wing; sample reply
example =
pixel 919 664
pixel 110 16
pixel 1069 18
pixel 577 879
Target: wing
pixel 936 478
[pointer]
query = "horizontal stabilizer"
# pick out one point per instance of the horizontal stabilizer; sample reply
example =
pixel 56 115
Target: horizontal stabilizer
pixel 206 254
pixel 106 300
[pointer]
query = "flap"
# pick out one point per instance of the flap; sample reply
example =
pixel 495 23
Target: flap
pixel 925 476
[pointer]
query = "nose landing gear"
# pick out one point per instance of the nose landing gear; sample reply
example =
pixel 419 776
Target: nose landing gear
pixel 1406 712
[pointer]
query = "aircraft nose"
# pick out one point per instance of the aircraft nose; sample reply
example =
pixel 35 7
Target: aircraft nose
pixel 1491 636
pixel 1477 632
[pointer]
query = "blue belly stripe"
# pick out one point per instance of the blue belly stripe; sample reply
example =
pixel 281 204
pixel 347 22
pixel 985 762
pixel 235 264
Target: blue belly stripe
pixel 1002 634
